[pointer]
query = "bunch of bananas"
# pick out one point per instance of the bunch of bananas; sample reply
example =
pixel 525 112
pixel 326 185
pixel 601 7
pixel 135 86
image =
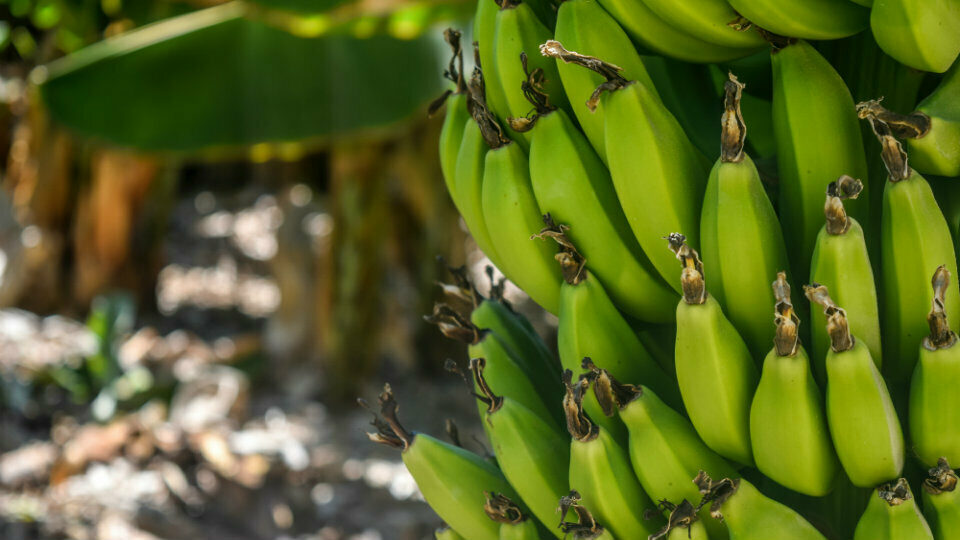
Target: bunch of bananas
pixel 582 154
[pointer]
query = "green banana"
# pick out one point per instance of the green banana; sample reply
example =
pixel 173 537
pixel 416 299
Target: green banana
pixel 919 33
pixel 788 428
pixel 941 501
pixel 915 240
pixel 515 524
pixel 863 423
pixel 716 374
pixel 583 25
pixel 664 448
pixel 892 514
pixel 520 32
pixel 740 236
pixel 936 149
pixel 468 185
pixel 585 527
pixel 749 514
pixel 642 137
pixel 840 261
pixel 572 185
pixel 451 134
pixel 686 90
pixel 652 33
pixel 713 21
pixel 533 456
pixel 446 533
pixel 452 480
pixel 934 414
pixel 807 19
pixel 817 138
pixel 683 523
pixel 600 470
pixel 485 35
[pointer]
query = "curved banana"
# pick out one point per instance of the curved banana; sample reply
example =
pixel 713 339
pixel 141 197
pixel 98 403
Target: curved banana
pixel 446 533
pixel 941 501
pixel 715 371
pixel 583 25
pixel 643 138
pixel 485 35
pixel 713 21
pixel 818 139
pixel 863 423
pixel 687 90
pixel 468 185
pixel 740 237
pixel 788 428
pixel 934 411
pixel 892 514
pixel 533 456
pixel 585 527
pixel 683 523
pixel 807 19
pixel 840 261
pixel 915 240
pixel 652 33
pixel 572 185
pixel 515 524
pixel 451 134
pixel 749 514
pixel 919 33
pixel 600 470
pixel 452 480
pixel 664 448
pixel 937 149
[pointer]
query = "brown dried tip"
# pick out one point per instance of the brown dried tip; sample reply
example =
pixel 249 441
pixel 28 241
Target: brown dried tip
pixel 452 432
pixel 895 493
pixel 533 91
pixel 845 187
pixel 586 527
pixel 903 126
pixel 892 153
pixel 453 72
pixel 578 423
pixel 691 278
pixel 941 337
pixel 776 41
pixel 733 131
pixel 614 81
pixel 837 327
pixel 715 493
pixel 387 424
pixel 572 263
pixel 501 509
pixel 682 516
pixel 787 340
pixel 486 395
pixel 461 295
pixel 454 325
pixel 611 393
pixel 477 107
pixel 940 479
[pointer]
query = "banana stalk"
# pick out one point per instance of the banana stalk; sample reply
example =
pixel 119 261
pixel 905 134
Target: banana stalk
pixel 893 514
pixel 941 501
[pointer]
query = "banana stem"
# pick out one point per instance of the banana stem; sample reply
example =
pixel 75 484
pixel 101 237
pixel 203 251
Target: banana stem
pixel 611 393
pixel 492 401
pixel 845 187
pixel 691 278
pixel 715 493
pixel 611 72
pixel 501 509
pixel 572 263
pixel 585 526
pixel 733 133
pixel 940 479
pixel 578 423
pixel 904 126
pixel 534 92
pixel 786 340
pixel 892 152
pixel 682 516
pixel 941 336
pixel 895 493
pixel 837 326
pixel 389 431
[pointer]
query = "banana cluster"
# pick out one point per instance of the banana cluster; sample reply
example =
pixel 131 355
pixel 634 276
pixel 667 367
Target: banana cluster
pixel 581 152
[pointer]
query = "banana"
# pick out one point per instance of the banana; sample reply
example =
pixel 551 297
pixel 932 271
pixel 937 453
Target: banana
pixel 572 185
pixel 749 514
pixel 652 33
pixel 863 423
pixel 715 371
pixel 446 533
pixel 919 33
pixel 600 470
pixel 841 263
pixel 584 25
pixel 686 90
pixel 741 240
pixel 515 524
pixel 713 21
pixel 664 448
pixel 468 185
pixel 915 240
pixel 892 514
pixel 683 523
pixel 807 19
pixel 585 527
pixel 936 150
pixel 934 414
pixel 941 501
pixel 533 456
pixel 451 134
pixel 520 32
pixel 791 441
pixel 485 35
pixel 452 480
pixel 642 137
pixel 817 138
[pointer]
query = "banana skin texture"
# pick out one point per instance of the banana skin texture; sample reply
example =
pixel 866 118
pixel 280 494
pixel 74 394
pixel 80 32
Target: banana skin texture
pixel 938 151
pixel 807 19
pixel 572 185
pixel 468 180
pixel 706 19
pixel 451 135
pixel 919 33
pixel 892 514
pixel 716 374
pixel 485 35
pixel 818 139
pixel 941 501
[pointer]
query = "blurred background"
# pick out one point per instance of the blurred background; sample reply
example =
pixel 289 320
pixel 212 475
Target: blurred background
pixel 219 224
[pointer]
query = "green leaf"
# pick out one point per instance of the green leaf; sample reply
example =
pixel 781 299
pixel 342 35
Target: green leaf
pixel 229 76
